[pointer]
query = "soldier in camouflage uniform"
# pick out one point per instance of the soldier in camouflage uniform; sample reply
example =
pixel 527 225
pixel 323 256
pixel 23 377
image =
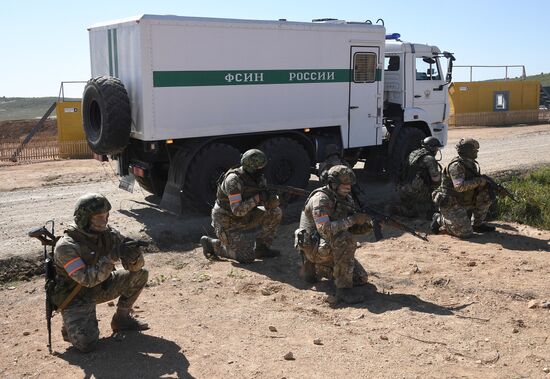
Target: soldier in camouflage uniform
pixel 325 235
pixel 245 231
pixel 84 261
pixel 421 176
pixel 463 192
pixel 333 157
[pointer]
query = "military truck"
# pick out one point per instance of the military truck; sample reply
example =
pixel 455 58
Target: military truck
pixel 176 100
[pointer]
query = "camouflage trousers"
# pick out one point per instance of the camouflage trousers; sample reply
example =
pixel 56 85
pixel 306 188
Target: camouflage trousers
pixel 79 318
pixel 416 199
pixel 237 236
pixel 456 219
pixel 335 259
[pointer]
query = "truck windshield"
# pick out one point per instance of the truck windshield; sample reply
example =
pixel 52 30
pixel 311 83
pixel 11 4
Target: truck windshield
pixel 427 68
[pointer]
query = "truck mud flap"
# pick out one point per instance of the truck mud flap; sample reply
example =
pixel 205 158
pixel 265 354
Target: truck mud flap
pixel 172 198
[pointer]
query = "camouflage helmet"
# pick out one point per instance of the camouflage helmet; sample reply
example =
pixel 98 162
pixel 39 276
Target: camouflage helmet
pixel 431 143
pixel 341 174
pixel 332 149
pixel 89 205
pixel 467 147
pixel 253 160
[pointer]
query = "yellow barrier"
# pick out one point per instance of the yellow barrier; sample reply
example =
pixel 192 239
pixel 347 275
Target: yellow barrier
pixel 70 130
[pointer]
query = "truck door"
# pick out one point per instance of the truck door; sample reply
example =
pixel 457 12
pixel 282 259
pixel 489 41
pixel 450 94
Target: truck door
pixel 430 93
pixel 365 101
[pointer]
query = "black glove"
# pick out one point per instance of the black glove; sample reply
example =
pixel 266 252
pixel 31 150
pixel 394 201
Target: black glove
pixel 264 197
pixel 130 248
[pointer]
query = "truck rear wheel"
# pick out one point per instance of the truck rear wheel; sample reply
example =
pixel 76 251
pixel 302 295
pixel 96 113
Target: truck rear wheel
pixel 288 162
pixel 106 115
pixel 409 139
pixel 205 169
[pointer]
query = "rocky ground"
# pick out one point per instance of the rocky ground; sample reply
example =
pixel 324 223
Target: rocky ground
pixel 443 308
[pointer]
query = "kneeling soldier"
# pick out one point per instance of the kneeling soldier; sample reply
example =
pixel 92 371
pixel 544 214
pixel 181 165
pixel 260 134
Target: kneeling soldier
pixel 85 274
pixel 325 236
pixel 236 217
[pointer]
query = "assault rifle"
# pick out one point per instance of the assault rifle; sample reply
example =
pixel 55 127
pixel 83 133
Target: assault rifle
pixel 47 238
pixel 495 187
pixel 285 189
pixel 379 217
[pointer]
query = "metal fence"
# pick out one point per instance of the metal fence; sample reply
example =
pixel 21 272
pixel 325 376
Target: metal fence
pixel 500 118
pixel 43 149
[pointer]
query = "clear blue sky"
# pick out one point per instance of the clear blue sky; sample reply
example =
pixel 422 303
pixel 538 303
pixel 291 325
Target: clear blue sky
pixel 46 42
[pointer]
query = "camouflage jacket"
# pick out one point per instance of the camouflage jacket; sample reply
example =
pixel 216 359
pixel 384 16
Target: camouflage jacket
pixel 88 259
pixel 460 179
pixel 236 191
pixel 326 213
pixel 423 164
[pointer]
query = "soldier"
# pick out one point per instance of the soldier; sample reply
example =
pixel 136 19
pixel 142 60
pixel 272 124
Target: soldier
pixel 333 157
pixel 421 176
pixel 236 216
pixel 325 235
pixel 463 192
pixel 85 274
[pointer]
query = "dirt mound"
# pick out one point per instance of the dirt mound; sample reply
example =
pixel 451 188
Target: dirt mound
pixel 17 129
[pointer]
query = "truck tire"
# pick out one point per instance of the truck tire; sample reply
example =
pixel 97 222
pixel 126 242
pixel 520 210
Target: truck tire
pixel 288 162
pixel 106 115
pixel 205 169
pixel 408 139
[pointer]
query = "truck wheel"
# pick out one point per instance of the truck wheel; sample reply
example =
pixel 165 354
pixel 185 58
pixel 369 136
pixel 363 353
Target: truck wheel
pixel 106 115
pixel 288 162
pixel 409 139
pixel 205 169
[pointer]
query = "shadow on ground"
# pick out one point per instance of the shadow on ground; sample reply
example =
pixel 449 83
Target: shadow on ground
pixel 131 355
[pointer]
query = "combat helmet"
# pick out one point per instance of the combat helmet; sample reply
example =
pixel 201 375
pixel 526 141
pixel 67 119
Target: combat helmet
pixel 431 143
pixel 341 174
pixel 253 160
pixel 87 206
pixel 467 148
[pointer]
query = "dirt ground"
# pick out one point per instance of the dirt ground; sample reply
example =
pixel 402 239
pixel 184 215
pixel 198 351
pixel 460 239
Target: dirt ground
pixel 443 308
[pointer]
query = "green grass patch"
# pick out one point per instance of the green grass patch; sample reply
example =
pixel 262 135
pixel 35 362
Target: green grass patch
pixel 532 190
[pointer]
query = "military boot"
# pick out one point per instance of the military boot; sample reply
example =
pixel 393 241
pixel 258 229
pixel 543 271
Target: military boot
pixel 123 320
pixel 483 228
pixel 208 251
pixel 349 295
pixel 263 251
pixel 435 225
pixel 307 271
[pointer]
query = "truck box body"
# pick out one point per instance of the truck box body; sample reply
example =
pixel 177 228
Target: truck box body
pixel 196 77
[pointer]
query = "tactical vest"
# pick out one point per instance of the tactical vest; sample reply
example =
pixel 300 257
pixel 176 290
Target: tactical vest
pixel 416 167
pixel 250 187
pixel 337 212
pixel 90 252
pixel 447 186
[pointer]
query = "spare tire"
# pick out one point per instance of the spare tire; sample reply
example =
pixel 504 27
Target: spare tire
pixel 106 115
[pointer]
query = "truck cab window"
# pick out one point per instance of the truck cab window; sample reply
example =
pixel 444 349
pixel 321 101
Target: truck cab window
pixel 427 68
pixel 391 63
pixel 364 68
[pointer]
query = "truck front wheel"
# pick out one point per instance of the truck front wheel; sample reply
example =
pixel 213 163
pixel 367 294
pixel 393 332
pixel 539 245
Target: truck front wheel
pixel 205 169
pixel 408 139
pixel 288 162
pixel 106 115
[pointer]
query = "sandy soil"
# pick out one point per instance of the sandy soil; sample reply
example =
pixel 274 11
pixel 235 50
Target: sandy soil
pixel 443 308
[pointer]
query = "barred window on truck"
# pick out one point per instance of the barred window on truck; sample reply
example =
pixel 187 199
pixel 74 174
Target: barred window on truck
pixel 364 67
